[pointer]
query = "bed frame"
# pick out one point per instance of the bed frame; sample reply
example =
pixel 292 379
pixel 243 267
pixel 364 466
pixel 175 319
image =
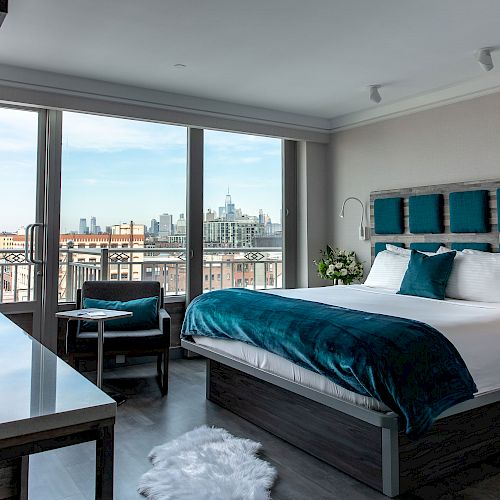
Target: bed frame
pixel 365 444
pixel 369 445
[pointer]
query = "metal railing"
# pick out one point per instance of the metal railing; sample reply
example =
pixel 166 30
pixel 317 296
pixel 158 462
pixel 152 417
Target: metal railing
pixel 16 276
pixel 255 268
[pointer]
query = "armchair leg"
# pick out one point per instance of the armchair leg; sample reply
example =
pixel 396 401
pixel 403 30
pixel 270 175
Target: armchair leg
pixel 162 368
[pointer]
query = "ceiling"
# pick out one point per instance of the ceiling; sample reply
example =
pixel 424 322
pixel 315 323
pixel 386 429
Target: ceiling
pixel 314 58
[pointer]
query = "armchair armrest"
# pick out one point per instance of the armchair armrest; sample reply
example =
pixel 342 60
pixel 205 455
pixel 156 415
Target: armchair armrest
pixel 165 324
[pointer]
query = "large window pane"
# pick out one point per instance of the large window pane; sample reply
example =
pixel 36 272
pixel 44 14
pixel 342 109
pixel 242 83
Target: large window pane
pixel 18 173
pixel 242 228
pixel 122 202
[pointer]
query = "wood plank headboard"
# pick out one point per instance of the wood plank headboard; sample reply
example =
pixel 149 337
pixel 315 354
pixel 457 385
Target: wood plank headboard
pixel 447 237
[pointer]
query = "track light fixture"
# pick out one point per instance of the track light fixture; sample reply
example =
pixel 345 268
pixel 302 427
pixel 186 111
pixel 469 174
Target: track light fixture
pixel 484 59
pixel 4 8
pixel 375 94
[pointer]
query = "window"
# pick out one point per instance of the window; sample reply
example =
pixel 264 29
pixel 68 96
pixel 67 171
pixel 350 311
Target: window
pixel 18 174
pixel 242 230
pixel 123 181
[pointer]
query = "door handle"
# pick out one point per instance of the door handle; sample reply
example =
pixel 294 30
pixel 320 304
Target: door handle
pixel 26 243
pixel 30 243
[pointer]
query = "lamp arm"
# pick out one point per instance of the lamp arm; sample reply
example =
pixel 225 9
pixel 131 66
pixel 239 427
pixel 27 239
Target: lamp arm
pixel 362 223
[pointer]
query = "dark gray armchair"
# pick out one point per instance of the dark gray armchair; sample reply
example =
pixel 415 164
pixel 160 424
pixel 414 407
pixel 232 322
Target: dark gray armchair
pixel 156 341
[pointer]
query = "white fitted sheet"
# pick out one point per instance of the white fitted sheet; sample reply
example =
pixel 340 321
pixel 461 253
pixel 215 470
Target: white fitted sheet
pixel 472 327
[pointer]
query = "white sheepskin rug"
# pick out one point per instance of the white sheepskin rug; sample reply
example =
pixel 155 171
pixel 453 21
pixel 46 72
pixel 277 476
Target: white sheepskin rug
pixel 210 464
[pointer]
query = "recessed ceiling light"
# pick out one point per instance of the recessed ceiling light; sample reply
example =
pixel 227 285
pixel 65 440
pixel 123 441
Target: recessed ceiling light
pixel 179 65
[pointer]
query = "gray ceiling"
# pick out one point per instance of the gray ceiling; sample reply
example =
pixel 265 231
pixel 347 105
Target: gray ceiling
pixel 313 57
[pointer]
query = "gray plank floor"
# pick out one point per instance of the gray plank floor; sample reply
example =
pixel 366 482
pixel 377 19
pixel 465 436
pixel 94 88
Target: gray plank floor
pixel 147 420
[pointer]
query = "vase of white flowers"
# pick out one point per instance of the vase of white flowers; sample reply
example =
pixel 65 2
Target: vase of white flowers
pixel 339 266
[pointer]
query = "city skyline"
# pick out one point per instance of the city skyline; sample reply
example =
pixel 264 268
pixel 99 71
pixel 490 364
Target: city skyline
pixel 174 218
pixel 118 170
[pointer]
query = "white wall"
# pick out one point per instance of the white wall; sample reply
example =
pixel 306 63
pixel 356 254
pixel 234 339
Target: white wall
pixel 453 143
pixel 312 196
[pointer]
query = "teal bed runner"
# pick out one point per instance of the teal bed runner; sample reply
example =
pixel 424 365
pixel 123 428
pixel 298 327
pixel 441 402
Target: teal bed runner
pixel 408 365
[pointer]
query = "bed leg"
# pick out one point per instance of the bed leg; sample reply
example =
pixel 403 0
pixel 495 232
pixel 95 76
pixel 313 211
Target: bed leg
pixel 390 462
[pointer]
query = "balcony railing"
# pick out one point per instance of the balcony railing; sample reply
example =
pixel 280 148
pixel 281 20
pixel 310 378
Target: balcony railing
pixel 16 277
pixel 254 268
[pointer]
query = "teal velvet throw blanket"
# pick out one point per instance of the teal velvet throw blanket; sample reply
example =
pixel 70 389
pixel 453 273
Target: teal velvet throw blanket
pixel 406 364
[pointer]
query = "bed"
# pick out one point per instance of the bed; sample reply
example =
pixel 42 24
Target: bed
pixel 358 434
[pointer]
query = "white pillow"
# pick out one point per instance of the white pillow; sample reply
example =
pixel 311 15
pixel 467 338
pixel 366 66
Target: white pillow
pixel 388 270
pixel 475 276
pixel 399 250
pixel 405 251
pixel 479 252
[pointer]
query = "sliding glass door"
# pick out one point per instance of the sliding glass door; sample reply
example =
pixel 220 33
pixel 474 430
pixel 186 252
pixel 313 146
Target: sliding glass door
pixel 22 214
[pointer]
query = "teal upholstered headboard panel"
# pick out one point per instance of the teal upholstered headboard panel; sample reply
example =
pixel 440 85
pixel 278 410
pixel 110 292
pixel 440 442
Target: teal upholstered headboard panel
pixel 459 215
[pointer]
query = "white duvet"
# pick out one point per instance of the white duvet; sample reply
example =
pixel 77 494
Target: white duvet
pixel 472 327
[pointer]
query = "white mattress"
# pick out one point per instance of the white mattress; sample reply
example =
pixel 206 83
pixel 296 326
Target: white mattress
pixel 472 327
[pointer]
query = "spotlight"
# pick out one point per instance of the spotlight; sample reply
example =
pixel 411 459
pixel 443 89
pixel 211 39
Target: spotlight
pixel 375 94
pixel 4 8
pixel 484 59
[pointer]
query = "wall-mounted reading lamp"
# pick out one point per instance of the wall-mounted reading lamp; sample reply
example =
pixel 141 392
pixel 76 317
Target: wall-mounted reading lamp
pixel 362 232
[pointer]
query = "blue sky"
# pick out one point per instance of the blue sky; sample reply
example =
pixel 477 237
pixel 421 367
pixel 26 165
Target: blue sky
pixel 118 170
pixel 18 138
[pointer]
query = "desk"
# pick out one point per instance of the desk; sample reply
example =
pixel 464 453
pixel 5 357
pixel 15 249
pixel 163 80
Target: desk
pixel 45 404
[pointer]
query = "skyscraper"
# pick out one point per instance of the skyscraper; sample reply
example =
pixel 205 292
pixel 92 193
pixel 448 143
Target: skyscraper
pixel 83 229
pixel 165 228
pixel 180 227
pixel 154 228
pixel 229 208
pixel 93 225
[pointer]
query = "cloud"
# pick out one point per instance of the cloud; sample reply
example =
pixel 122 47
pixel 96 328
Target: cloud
pixel 230 142
pixel 18 130
pixel 106 134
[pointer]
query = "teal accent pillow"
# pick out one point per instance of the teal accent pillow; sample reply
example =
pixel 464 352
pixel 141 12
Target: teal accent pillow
pixel 470 212
pixel 145 314
pixel 425 247
pixel 483 247
pixel 427 275
pixel 426 213
pixel 388 213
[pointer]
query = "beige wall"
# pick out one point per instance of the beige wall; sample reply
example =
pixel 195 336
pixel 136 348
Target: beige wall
pixel 312 198
pixel 453 143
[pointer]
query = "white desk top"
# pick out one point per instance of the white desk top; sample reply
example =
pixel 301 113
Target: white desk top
pixel 39 391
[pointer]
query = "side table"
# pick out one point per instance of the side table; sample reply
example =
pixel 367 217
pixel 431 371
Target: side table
pixel 99 316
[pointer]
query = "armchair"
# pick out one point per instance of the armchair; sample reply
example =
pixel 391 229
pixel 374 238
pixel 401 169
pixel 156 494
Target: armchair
pixel 155 341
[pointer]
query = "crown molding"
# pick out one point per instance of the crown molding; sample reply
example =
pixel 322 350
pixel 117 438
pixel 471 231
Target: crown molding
pixel 55 90
pixel 471 89
pixel 192 110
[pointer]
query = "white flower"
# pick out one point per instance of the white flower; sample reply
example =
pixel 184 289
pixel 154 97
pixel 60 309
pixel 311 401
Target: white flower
pixel 338 265
pixel 343 272
pixel 331 268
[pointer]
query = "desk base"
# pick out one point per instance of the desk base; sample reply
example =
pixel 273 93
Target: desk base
pixel 12 450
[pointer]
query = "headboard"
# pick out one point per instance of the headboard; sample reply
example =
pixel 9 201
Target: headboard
pixel 459 215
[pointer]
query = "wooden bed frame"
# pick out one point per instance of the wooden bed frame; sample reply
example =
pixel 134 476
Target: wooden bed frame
pixel 368 445
pixel 365 444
